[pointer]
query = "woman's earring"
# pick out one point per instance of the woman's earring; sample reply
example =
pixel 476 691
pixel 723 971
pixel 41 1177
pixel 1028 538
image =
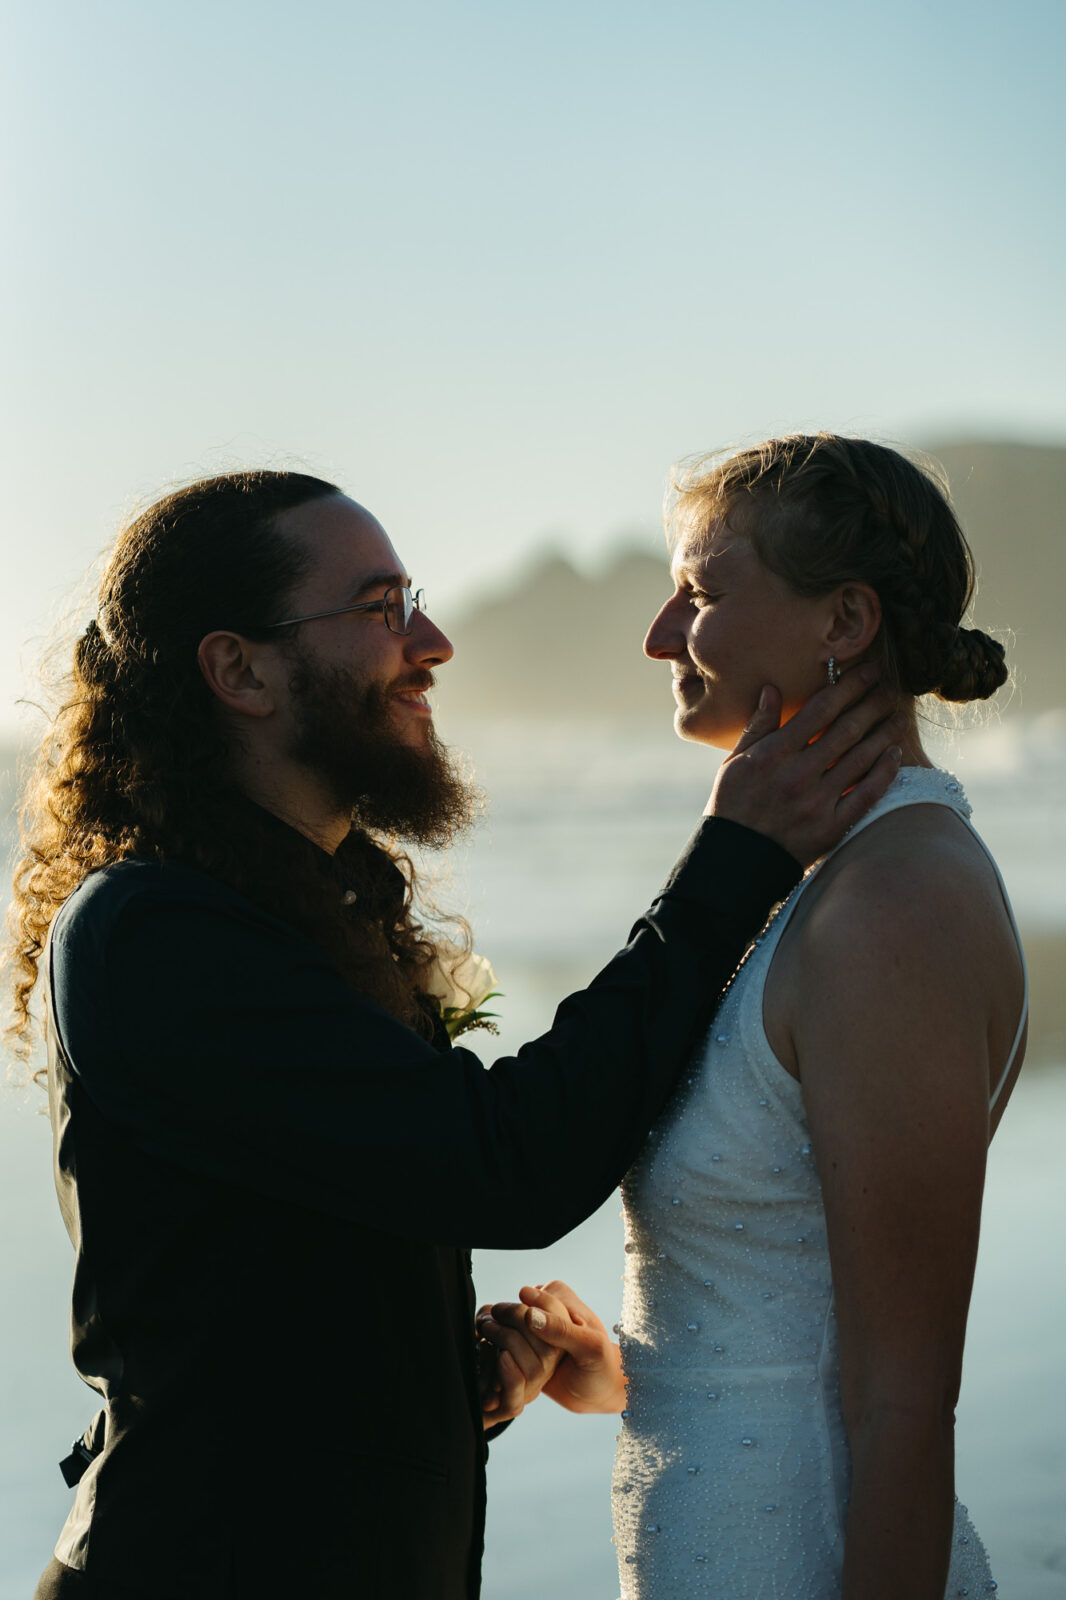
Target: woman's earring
pixel 833 672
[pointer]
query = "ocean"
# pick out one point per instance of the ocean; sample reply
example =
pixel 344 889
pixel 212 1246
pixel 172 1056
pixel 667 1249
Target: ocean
pixel 590 816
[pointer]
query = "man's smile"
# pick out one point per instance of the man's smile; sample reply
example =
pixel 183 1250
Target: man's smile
pixel 413 700
pixel 411 694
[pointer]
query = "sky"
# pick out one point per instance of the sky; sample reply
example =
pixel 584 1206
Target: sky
pixel 493 267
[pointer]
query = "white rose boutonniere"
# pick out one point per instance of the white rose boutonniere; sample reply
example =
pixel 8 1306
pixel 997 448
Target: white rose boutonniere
pixel 461 982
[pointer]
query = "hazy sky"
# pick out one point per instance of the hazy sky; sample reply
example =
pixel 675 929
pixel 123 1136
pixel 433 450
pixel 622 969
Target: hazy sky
pixel 494 266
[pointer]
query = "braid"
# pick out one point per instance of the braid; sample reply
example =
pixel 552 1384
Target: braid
pixel 913 608
pixel 935 654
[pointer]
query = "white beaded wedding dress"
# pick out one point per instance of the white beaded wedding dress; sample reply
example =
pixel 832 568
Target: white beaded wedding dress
pixel 732 1471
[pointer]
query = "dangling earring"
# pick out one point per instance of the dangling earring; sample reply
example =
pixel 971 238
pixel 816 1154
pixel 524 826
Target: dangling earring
pixel 833 671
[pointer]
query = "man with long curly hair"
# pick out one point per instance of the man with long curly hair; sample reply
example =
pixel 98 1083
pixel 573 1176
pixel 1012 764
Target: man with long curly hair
pixel 266 1151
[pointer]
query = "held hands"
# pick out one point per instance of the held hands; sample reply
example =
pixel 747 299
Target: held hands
pixel 804 785
pixel 513 1366
pixel 568 1343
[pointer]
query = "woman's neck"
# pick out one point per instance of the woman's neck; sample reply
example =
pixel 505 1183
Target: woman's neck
pixel 911 743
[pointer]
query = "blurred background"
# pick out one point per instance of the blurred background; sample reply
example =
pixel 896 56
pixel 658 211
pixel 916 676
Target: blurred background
pixel 492 268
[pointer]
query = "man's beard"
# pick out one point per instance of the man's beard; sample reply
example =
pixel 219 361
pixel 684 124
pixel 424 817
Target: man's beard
pixel 346 735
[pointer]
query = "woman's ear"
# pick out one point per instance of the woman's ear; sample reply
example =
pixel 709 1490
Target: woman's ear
pixel 227 661
pixel 855 621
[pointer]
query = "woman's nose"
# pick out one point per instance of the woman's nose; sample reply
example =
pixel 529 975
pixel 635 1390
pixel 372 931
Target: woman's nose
pixel 665 638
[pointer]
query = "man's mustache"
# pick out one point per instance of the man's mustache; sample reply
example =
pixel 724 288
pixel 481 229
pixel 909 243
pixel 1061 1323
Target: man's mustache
pixel 421 678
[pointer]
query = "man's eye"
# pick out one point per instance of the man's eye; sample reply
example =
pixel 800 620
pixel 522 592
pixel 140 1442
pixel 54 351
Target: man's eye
pixel 701 598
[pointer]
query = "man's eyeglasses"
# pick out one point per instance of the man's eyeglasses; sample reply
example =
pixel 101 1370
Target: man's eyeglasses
pixel 397 605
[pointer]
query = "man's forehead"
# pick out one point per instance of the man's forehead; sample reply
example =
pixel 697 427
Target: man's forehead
pixel 347 543
pixel 330 521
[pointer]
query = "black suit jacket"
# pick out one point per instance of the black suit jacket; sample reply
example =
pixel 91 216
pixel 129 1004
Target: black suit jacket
pixel 272 1187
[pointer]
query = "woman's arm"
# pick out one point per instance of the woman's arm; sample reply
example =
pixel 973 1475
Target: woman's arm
pixel 902 968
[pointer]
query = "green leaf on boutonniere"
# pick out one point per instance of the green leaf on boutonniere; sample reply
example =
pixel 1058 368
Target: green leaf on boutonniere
pixel 459 1021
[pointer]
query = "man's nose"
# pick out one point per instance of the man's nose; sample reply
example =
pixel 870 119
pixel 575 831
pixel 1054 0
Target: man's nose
pixel 426 644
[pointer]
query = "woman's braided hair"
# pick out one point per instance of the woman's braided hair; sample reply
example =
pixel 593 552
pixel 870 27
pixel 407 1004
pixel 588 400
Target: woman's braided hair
pixel 821 511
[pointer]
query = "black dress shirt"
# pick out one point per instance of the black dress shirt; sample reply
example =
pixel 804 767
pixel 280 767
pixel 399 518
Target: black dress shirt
pixel 272 1186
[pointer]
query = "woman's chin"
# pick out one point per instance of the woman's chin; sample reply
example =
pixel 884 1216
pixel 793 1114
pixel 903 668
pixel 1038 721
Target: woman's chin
pixel 701 727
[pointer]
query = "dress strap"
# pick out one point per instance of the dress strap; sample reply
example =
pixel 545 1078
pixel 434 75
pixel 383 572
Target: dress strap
pixel 1024 1016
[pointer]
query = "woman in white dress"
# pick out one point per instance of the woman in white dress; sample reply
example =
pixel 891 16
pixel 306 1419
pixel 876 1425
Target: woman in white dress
pixel 801 1228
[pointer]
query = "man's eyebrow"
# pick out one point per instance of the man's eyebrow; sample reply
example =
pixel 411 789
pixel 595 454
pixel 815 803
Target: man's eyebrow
pixel 378 580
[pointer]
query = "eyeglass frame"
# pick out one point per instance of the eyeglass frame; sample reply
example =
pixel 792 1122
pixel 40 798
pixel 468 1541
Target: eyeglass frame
pixel 417 603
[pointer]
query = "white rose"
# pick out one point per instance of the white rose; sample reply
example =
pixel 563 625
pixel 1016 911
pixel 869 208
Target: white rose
pixel 460 979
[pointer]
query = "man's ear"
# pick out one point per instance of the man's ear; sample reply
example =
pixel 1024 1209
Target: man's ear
pixel 228 663
pixel 855 621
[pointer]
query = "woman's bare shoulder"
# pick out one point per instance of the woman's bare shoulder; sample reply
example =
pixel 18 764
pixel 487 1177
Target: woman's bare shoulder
pixel 916 879
pixel 904 928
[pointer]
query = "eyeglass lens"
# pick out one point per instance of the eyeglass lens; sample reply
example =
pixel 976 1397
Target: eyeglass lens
pixel 400 607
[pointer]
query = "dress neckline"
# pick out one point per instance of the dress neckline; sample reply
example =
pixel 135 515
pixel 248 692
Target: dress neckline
pixel 911 786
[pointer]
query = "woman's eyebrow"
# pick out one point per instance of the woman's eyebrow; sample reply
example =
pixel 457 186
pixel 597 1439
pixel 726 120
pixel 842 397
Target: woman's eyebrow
pixel 696 570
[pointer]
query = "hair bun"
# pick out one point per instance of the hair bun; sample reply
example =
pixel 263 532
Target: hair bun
pixel 974 668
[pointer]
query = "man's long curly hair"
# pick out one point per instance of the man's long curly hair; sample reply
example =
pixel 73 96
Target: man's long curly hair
pixel 135 762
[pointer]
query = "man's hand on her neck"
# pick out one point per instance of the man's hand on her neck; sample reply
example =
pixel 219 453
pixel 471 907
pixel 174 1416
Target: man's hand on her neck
pixel 805 784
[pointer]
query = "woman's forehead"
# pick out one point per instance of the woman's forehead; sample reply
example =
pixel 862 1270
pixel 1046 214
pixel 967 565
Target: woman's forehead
pixel 704 546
